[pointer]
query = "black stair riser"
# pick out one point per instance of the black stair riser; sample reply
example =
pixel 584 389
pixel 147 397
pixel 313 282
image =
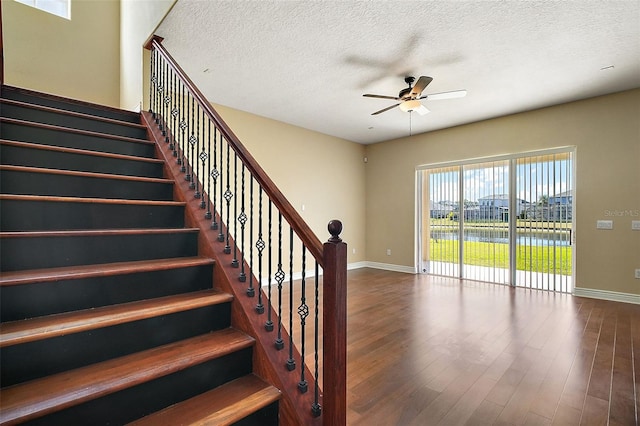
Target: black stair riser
pixel 136 402
pixel 19 182
pixel 41 358
pixel 267 416
pixel 75 122
pixel 34 157
pixel 20 253
pixel 46 298
pixel 32 215
pixel 59 137
pixel 24 96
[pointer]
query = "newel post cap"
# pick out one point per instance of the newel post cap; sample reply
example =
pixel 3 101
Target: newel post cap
pixel 335 228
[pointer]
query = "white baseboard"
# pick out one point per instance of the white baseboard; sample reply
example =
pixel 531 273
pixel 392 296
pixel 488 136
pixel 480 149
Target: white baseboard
pixel 607 295
pixel 389 267
pixel 357 265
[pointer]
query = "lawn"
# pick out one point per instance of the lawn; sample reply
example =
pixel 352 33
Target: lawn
pixel 528 258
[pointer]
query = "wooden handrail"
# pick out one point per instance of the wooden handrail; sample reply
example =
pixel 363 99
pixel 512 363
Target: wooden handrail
pixel 300 227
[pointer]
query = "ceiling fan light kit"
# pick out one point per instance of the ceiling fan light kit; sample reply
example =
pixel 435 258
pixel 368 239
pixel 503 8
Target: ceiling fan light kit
pixel 409 97
pixel 414 105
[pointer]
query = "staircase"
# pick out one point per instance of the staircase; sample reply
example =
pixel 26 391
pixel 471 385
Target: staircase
pixel 109 314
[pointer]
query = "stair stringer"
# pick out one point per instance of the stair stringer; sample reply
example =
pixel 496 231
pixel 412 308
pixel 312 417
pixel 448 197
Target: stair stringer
pixel 268 363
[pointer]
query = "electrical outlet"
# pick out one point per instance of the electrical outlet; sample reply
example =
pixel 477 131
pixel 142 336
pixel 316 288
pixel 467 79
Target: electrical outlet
pixel 604 224
pixel 635 225
pixel 638 274
pixel 388 252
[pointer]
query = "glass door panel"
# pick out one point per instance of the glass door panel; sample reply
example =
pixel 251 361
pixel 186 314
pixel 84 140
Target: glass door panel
pixel 485 222
pixel 545 224
pixel 441 251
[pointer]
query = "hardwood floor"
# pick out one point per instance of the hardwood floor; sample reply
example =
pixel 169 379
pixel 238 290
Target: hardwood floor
pixel 426 350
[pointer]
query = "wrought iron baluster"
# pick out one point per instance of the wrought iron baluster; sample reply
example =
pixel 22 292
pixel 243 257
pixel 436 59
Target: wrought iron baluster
pixel 152 83
pixel 156 83
pixel 316 409
pixel 158 90
pixel 183 127
pixel 260 246
pixel 220 234
pixel 242 277
pixel 208 215
pixel 204 155
pixel 193 140
pixel 250 291
pixel 174 114
pixel 165 102
pixel 234 261
pixel 303 311
pixel 228 195
pixel 195 182
pixel 291 363
pixel 214 174
pixel 168 98
pixel 161 82
pixel 268 325
pixel 279 279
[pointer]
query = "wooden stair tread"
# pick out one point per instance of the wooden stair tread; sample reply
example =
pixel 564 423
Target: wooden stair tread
pixel 96 232
pixel 71 113
pixel 83 174
pixel 38 397
pixel 221 406
pixel 32 145
pixel 88 271
pixel 29 330
pixel 76 131
pixel 62 199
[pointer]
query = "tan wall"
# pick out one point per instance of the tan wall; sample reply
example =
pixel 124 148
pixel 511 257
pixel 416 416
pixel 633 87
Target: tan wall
pixel 77 58
pixel 139 19
pixel 324 173
pixel 606 133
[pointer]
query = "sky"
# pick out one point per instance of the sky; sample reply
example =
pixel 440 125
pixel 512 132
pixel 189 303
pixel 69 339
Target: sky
pixel 535 177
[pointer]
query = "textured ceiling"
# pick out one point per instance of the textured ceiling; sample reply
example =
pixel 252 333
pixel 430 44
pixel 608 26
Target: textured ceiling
pixel 308 63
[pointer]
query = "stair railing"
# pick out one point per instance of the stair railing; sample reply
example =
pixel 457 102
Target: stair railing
pixel 281 263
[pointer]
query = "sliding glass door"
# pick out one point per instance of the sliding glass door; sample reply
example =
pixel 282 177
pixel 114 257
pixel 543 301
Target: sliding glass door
pixel 508 220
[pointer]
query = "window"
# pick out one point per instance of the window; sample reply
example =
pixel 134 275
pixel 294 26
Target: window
pixel 60 8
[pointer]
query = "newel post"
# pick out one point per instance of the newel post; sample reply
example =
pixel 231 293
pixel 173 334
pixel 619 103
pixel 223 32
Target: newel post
pixel 334 288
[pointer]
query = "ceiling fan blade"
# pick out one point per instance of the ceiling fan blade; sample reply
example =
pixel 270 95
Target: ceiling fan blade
pixel 446 95
pixel 380 96
pixel 422 110
pixel 384 109
pixel 420 85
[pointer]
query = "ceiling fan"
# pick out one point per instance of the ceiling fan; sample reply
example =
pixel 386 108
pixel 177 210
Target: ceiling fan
pixel 410 97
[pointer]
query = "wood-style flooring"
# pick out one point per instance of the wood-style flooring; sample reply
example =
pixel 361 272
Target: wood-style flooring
pixel 425 350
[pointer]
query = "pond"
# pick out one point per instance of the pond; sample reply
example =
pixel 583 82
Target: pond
pixel 536 238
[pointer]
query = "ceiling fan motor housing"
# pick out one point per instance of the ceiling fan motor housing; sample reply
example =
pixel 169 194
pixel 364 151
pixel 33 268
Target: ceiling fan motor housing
pixel 405 94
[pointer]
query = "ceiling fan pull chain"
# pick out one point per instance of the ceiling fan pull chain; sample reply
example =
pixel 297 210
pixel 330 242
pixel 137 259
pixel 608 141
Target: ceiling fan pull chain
pixel 410 114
